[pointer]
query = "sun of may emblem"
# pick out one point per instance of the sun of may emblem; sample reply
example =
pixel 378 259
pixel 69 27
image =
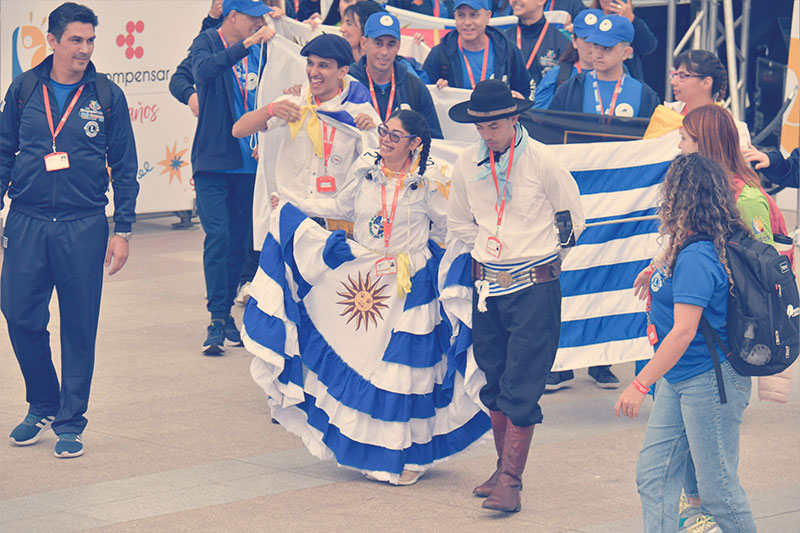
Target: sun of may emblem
pixel 363 301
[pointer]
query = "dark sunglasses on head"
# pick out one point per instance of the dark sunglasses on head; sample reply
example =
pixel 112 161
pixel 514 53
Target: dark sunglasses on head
pixel 394 137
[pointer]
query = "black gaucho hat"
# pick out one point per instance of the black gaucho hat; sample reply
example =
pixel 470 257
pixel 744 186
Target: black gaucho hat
pixel 491 100
pixel 329 46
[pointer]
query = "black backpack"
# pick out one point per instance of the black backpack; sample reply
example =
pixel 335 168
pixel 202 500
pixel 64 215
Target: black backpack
pixel 763 322
pixel 102 85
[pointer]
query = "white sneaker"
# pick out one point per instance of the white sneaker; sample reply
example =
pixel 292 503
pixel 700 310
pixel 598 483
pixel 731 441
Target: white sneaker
pixel 704 524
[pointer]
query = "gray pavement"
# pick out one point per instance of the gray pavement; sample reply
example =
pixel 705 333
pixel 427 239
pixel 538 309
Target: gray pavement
pixel 181 442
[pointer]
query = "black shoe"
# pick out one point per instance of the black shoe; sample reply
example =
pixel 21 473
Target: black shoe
pixel 603 377
pixel 215 342
pixel 556 380
pixel 232 336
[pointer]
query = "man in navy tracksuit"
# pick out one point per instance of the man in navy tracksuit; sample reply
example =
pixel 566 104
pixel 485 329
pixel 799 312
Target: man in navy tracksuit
pixel 226 65
pixel 387 77
pixel 56 234
pixel 476 52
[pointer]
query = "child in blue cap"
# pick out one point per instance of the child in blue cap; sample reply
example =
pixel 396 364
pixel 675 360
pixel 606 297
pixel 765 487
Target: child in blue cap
pixel 609 89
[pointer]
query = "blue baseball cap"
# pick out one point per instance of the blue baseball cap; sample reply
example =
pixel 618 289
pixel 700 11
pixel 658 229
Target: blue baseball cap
pixel 474 4
pixel 585 22
pixel 380 24
pixel 254 8
pixel 610 30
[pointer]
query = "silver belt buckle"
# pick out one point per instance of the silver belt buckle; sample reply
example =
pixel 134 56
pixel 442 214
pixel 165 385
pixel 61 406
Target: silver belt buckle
pixel 504 279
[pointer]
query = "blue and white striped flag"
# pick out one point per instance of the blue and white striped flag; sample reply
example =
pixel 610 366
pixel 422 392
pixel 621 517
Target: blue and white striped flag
pixel 602 321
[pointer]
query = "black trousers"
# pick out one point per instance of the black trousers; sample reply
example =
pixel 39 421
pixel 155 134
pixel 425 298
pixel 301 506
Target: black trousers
pixel 515 343
pixel 68 255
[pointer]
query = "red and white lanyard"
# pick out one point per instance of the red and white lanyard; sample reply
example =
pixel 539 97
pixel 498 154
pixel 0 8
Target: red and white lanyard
pixel 598 100
pixel 388 221
pixel 375 98
pixel 327 142
pixel 243 90
pixel 466 61
pixel 56 131
pixel 501 210
pixel 538 42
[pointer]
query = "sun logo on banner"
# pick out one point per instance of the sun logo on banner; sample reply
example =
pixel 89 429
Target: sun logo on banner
pixel 363 301
pixel 173 163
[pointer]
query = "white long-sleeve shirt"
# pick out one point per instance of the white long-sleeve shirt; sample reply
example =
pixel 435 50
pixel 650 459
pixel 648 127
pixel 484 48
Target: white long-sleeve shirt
pixel 541 186
pixel 420 202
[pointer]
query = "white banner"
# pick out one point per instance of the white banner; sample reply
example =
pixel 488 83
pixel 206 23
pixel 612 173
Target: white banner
pixel 139 44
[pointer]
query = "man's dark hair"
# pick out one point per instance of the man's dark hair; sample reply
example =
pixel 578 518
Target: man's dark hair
pixel 66 13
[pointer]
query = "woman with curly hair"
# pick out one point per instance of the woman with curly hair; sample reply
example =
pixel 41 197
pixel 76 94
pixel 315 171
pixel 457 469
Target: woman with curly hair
pixel 687 416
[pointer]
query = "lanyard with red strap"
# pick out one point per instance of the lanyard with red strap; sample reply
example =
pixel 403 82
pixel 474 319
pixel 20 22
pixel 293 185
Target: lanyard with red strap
pixel 296 7
pixel 243 90
pixel 578 67
pixel 551 5
pixel 326 183
pixel 466 61
pixel 56 131
pixel 436 8
pixel 538 42
pixel 598 100
pixel 375 98
pixel 388 218
pixel 493 244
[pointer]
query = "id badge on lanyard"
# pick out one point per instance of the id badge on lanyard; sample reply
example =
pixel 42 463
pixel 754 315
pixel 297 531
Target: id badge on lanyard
pixel 385 266
pixel 57 160
pixel 493 245
pixel 326 183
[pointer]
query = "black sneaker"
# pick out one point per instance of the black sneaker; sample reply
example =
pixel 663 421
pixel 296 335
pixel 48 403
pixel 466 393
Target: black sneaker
pixel 232 336
pixel 215 342
pixel 556 380
pixel 603 377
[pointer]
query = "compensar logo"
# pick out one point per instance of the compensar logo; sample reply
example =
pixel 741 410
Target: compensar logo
pixel 128 40
pixel 28 45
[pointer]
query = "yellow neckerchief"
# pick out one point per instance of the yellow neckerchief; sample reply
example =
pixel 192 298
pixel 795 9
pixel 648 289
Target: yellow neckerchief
pixel 308 114
pixel 665 120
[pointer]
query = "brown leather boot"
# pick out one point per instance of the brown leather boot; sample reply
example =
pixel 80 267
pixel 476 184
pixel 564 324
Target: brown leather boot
pixel 505 496
pixel 499 421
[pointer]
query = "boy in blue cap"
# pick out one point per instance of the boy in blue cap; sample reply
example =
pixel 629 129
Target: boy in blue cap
pixel 226 66
pixel 540 42
pixel 608 89
pixel 575 59
pixel 389 82
pixel 476 52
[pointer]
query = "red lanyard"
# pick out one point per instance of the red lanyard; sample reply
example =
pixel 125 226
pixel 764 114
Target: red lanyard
pixel 599 99
pixel 436 8
pixel 63 117
pixel 375 98
pixel 388 221
pixel 538 43
pixel 296 7
pixel 243 90
pixel 578 66
pixel 551 5
pixel 466 61
pixel 502 207
pixel 327 142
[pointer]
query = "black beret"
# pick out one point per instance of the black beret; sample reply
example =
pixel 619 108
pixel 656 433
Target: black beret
pixel 329 46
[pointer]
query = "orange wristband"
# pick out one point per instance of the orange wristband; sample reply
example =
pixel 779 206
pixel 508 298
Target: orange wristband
pixel 269 111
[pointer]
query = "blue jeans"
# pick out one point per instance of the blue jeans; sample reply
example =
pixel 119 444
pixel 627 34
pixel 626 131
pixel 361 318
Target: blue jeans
pixel 688 416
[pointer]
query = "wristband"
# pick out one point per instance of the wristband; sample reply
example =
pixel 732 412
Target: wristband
pixel 641 388
pixel 269 111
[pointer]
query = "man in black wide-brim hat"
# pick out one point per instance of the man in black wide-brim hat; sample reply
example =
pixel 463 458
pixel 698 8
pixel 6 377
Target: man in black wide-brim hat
pixel 505 193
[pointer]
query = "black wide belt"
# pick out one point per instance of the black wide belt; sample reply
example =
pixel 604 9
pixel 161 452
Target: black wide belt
pixel 535 274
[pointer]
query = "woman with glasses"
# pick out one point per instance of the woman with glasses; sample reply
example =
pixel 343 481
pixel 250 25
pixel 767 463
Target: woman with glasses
pixel 699 79
pixel 392 406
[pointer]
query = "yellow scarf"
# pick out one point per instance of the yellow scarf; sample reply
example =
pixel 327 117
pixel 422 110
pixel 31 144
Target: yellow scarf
pixel 308 114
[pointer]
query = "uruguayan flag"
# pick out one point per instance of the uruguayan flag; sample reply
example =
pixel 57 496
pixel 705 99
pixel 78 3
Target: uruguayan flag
pixel 602 321
pixel 361 374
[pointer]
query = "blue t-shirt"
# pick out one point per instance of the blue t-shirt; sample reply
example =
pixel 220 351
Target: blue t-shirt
pixel 698 279
pixel 61 92
pixel 629 100
pixel 249 166
pixel 547 87
pixel 476 64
